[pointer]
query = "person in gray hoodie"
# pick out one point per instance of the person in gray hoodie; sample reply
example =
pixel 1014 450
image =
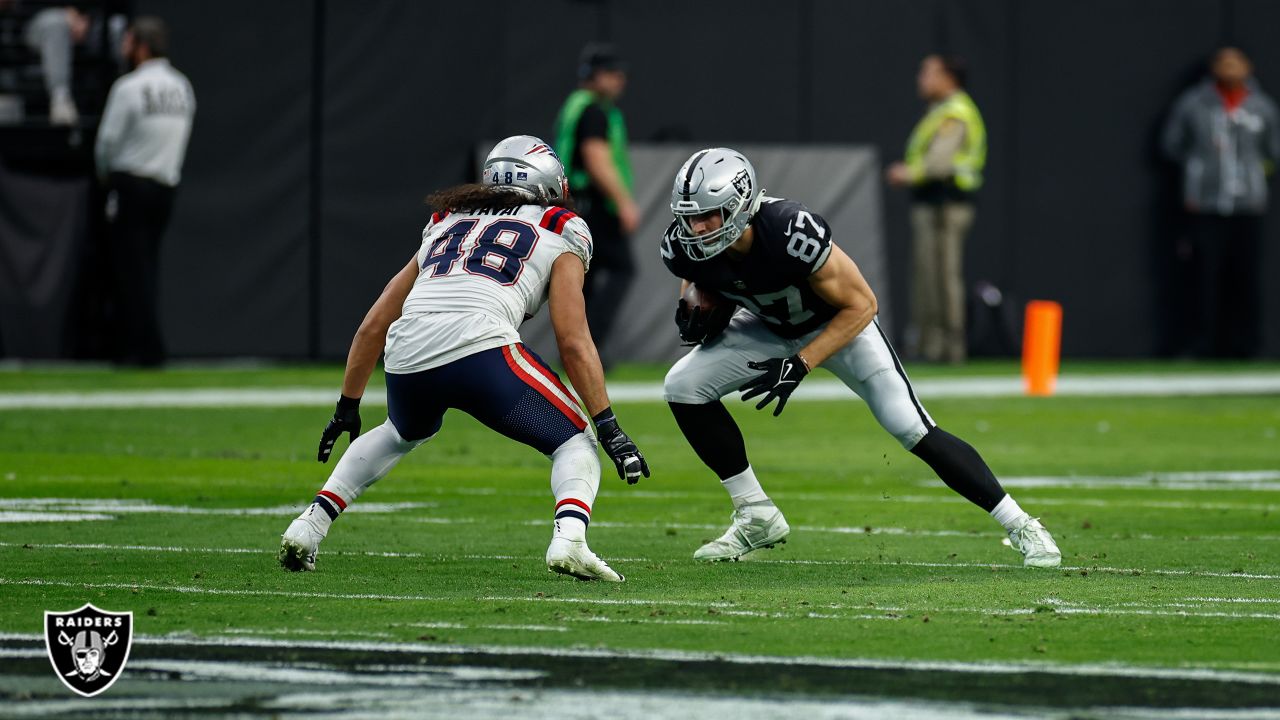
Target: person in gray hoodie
pixel 1225 136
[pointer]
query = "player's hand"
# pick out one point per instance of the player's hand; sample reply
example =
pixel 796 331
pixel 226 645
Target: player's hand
pixel 698 327
pixel 346 418
pixel 779 380
pixel 620 448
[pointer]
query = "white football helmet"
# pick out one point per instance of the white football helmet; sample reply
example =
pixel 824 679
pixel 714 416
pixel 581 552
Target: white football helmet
pixel 714 179
pixel 527 165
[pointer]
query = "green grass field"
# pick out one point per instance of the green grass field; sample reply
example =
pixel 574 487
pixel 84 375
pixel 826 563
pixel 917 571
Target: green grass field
pixel 884 563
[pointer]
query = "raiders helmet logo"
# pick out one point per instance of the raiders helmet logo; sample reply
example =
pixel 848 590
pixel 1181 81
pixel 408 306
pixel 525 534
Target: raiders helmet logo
pixel 88 647
pixel 742 183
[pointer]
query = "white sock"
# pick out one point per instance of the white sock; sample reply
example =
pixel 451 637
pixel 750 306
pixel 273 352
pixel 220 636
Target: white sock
pixel 370 457
pixel 575 479
pixel 744 488
pixel 1008 514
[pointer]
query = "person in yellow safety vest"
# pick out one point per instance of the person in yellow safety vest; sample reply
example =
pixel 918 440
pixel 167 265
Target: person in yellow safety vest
pixel 943 168
pixel 591 140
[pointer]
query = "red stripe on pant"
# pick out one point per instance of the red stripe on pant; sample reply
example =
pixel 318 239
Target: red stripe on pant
pixel 574 417
pixel 544 372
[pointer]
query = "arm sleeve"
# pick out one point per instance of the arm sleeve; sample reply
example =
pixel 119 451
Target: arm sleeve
pixel 939 158
pixel 578 236
pixel 116 119
pixel 1271 144
pixel 592 124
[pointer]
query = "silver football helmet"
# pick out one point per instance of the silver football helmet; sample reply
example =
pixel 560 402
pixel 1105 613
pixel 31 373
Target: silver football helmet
pixel 527 165
pixel 715 179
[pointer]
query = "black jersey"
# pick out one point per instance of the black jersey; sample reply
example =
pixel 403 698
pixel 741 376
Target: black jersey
pixel 772 279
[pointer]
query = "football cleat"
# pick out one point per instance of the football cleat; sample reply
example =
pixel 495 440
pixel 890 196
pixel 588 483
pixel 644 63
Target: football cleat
pixel 298 546
pixel 1036 544
pixel 573 557
pixel 755 526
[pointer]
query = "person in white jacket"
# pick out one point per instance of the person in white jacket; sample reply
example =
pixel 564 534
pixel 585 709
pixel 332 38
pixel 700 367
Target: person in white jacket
pixel 139 152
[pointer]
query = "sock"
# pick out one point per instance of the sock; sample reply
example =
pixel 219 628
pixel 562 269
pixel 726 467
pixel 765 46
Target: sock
pixel 1008 514
pixel 575 479
pixel 744 488
pixel 324 510
pixel 370 457
pixel 960 467
pixel 714 436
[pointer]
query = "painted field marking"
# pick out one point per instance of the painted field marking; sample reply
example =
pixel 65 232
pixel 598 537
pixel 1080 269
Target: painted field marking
pixel 304 631
pixel 440 557
pixel 146 507
pixel 985 667
pixel 1111 385
pixel 1254 480
pixel 461 626
pixel 727 608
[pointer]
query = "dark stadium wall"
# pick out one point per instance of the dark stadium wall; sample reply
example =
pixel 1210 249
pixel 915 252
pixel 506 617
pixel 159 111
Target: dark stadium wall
pixel 1077 205
pixel 236 254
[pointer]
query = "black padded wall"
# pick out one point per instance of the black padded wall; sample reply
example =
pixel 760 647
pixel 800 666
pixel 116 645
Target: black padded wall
pixel 279 244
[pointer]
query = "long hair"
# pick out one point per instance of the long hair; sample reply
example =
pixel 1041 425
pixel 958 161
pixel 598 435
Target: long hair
pixel 474 196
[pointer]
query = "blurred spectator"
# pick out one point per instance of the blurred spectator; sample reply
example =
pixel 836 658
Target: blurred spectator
pixel 54 33
pixel 1225 135
pixel 943 167
pixel 591 139
pixel 140 148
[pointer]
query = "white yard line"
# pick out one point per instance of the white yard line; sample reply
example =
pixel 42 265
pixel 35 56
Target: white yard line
pixel 461 626
pixel 1116 385
pixel 722 607
pixel 1265 480
pixel 752 559
pixel 985 667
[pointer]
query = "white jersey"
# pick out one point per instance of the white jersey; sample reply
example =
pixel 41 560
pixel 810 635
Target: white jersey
pixel 480 275
pixel 146 123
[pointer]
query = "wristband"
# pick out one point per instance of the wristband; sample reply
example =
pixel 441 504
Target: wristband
pixel 604 416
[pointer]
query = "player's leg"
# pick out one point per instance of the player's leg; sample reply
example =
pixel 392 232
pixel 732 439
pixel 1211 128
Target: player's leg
pixel 511 390
pixel 414 415
pixel 869 367
pixel 693 388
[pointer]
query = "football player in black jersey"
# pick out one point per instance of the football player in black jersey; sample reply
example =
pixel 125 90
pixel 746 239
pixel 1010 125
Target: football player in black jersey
pixel 803 303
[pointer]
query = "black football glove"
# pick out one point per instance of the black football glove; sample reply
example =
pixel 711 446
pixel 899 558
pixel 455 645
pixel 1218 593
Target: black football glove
pixel 780 378
pixel 346 418
pixel 624 453
pixel 697 327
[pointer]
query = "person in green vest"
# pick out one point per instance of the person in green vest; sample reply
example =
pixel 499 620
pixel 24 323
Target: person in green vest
pixel 943 169
pixel 591 139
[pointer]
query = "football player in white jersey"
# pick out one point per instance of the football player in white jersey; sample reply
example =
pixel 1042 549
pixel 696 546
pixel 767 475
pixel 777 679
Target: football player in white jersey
pixel 491 256
pixel 801 303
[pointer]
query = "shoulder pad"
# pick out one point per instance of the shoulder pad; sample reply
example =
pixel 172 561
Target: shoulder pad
pixel 576 233
pixel 798 238
pixel 555 218
pixel 672 252
pixel 436 217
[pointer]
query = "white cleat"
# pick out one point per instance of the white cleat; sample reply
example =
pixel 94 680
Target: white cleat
pixel 1036 544
pixel 298 546
pixel 573 557
pixel 755 526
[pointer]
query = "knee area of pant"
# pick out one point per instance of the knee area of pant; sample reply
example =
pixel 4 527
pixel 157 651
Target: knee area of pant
pixel 682 387
pixel 577 451
pixel 388 428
